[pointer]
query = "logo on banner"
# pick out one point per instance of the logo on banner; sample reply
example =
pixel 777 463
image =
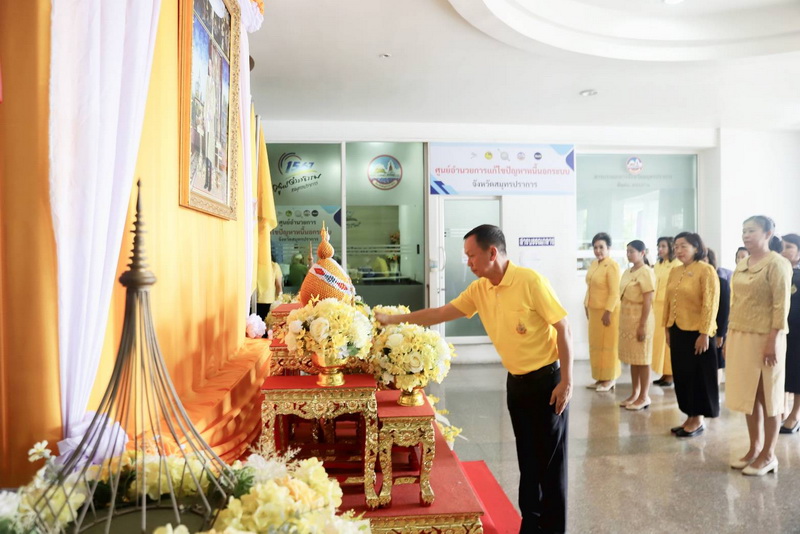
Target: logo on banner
pixel 290 163
pixel 537 156
pixel 634 165
pixel 297 175
pixel 385 172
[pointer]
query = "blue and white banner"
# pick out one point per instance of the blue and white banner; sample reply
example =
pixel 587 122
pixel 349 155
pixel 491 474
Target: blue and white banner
pixel 492 169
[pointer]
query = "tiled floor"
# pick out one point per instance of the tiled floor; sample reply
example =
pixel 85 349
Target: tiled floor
pixel 627 473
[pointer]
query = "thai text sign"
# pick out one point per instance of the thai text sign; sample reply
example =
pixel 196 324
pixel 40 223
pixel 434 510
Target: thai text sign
pixel 537 241
pixel 484 169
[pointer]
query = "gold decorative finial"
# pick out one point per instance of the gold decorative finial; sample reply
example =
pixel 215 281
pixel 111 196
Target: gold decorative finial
pixel 325 249
pixel 138 275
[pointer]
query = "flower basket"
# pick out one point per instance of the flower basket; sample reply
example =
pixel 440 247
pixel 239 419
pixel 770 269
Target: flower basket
pixel 331 331
pixel 410 356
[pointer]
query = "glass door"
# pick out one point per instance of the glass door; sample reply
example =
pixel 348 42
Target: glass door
pixel 460 216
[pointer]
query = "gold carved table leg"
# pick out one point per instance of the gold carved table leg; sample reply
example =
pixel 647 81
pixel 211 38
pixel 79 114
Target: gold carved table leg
pixel 385 450
pixel 267 441
pixel 428 452
pixel 370 451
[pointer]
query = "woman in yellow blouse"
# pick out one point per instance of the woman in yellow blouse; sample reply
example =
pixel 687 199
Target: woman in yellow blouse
pixel 690 311
pixel 756 352
pixel 662 361
pixel 636 325
pixel 602 310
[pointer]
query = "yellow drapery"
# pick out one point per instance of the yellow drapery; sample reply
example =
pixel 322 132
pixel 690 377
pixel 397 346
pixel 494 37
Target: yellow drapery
pixel 267 221
pixel 30 409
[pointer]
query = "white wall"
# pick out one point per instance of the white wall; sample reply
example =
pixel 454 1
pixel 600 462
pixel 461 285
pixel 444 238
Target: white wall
pixel 760 174
pixel 709 208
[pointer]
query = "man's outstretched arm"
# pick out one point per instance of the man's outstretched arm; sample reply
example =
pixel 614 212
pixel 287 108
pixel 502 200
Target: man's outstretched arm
pixel 426 317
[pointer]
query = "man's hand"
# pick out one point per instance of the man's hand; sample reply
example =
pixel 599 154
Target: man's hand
pixel 383 318
pixel 606 318
pixel 561 395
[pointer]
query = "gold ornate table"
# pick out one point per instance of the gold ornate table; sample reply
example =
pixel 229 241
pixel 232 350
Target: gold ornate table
pixel 285 363
pixel 301 396
pixel 406 427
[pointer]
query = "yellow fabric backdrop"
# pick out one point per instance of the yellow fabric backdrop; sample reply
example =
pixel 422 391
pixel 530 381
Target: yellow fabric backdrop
pixel 267 221
pixel 30 409
pixel 200 265
pixel 197 258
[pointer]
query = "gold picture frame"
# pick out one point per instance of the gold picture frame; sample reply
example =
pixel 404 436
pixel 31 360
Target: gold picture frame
pixel 209 106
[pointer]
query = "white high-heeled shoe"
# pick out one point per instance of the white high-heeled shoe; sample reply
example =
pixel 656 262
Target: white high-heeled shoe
pixel 609 387
pixel 740 464
pixel 633 407
pixel 754 472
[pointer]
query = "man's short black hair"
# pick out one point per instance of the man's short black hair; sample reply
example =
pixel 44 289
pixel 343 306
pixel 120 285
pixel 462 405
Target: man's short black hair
pixel 488 235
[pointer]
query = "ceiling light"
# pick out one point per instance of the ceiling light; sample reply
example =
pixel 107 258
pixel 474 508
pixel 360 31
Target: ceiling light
pixel 384 56
pixel 588 92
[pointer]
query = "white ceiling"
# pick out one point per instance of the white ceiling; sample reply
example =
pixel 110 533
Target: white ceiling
pixel 459 61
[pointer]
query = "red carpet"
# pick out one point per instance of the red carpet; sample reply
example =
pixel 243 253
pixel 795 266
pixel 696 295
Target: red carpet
pixel 500 515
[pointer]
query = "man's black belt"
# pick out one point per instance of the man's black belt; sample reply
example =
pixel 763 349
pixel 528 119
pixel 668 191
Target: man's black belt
pixel 546 370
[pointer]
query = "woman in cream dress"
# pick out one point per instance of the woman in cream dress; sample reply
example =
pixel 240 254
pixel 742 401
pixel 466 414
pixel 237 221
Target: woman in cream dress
pixel 602 311
pixel 636 325
pixel 662 361
pixel 756 354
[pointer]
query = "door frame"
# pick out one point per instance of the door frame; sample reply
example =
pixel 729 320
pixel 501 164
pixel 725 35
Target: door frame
pixel 438 258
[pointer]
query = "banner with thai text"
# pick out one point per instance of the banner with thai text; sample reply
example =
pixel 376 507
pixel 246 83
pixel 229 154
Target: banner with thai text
pixel 498 169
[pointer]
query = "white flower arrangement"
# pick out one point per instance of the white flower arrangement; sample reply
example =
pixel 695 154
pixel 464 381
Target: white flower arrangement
pixel 330 328
pixel 411 356
pixel 276 494
pixel 256 327
pixel 269 494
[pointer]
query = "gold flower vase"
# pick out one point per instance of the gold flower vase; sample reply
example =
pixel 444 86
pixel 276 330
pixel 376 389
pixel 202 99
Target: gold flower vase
pixel 415 397
pixel 330 373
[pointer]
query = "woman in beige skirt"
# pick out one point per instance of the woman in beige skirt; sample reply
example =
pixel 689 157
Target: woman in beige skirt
pixel 636 325
pixel 757 342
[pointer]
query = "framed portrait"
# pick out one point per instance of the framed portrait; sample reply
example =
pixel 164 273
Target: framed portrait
pixel 209 102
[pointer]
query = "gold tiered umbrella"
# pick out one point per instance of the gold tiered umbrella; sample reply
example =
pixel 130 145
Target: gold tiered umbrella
pixel 165 472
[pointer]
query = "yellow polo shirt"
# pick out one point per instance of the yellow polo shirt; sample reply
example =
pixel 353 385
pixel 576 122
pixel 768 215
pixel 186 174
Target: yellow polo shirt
pixel 518 315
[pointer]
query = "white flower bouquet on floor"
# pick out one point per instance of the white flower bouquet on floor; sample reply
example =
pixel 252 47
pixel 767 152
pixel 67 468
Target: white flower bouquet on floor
pixel 331 329
pixel 410 356
pixel 269 493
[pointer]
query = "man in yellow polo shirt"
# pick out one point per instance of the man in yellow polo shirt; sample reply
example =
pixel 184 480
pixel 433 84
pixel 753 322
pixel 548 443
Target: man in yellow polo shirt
pixel 529 329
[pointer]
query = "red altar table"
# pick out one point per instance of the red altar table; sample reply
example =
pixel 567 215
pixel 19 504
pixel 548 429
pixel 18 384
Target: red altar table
pixel 406 426
pixel 301 396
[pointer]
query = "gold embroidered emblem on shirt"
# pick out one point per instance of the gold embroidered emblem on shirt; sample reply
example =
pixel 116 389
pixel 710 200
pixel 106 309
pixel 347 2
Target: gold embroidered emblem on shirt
pixel 794 289
pixel 521 328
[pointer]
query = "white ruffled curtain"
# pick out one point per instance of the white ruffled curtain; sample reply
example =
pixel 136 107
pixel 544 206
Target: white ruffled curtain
pixel 101 57
pixel 251 19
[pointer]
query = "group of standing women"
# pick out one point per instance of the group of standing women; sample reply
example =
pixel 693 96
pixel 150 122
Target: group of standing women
pixel 675 317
